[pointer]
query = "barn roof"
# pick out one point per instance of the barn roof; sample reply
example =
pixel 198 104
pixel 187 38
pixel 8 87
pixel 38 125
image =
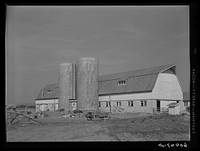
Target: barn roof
pixel 142 80
pixel 49 91
pixel 135 73
pixel 173 105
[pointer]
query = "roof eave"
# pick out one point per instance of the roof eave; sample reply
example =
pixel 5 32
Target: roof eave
pixel 125 93
pixel 173 65
pixel 46 98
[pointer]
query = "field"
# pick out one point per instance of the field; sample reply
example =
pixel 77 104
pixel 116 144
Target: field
pixel 120 127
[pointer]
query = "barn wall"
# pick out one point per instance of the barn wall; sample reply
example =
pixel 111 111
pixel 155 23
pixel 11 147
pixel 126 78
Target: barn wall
pixel 124 105
pixel 138 108
pixel 103 107
pixel 42 105
pixel 134 96
pixel 104 98
pixel 167 87
pixel 46 101
pixel 121 97
pixel 124 98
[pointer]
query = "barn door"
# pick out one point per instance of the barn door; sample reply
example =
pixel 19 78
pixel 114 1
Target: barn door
pixel 158 105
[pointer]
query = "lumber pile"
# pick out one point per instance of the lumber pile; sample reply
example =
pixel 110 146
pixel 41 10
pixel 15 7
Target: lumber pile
pixel 13 116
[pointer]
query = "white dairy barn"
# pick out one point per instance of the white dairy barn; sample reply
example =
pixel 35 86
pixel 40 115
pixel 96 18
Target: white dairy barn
pixel 145 90
pixel 47 98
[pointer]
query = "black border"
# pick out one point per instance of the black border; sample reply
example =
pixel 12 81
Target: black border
pixel 193 87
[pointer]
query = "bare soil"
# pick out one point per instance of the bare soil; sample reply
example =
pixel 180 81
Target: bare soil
pixel 120 127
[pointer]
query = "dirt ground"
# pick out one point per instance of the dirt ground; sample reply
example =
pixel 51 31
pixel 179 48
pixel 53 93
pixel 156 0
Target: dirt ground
pixel 120 127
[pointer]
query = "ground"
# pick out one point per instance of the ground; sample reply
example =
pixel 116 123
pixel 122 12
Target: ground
pixel 120 127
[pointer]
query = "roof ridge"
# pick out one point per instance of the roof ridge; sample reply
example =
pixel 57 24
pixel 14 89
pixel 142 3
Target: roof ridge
pixel 131 76
pixel 57 84
pixel 138 69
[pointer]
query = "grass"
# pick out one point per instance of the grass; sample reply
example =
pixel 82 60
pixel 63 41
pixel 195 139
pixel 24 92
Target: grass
pixel 131 128
pixel 150 127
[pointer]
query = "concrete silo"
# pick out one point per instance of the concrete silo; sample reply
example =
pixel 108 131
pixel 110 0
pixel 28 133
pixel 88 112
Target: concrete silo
pixel 66 85
pixel 87 83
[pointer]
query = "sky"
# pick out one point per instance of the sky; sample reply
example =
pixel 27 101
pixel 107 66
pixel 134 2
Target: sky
pixel 123 38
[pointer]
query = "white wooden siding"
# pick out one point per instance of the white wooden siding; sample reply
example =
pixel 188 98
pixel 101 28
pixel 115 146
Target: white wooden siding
pixel 123 97
pixel 103 98
pixel 42 105
pixel 124 104
pixel 46 101
pixel 167 87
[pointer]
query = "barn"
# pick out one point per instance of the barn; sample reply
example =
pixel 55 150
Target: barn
pixel 144 90
pixel 47 98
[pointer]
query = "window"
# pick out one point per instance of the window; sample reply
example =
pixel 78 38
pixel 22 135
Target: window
pixel 144 103
pixel 130 103
pixel 49 91
pixel 107 104
pixel 119 103
pixel 99 104
pixel 185 103
pixel 121 82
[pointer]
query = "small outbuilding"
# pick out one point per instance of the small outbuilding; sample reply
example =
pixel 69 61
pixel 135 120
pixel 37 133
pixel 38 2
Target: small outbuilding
pixel 174 108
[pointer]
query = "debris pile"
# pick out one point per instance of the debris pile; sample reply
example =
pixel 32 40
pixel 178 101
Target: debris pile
pixel 21 117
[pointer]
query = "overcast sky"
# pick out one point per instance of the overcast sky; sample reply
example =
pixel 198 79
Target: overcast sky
pixel 125 38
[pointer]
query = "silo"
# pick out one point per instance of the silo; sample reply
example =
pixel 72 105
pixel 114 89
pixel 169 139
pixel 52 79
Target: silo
pixel 65 85
pixel 74 81
pixel 87 83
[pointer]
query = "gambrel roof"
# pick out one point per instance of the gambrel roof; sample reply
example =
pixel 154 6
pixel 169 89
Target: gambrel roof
pixel 49 91
pixel 136 81
pixel 142 80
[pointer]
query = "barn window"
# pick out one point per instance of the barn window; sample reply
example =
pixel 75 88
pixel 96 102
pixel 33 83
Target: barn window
pixel 130 103
pixel 123 82
pixel 119 103
pixel 49 91
pixel 144 103
pixel 107 104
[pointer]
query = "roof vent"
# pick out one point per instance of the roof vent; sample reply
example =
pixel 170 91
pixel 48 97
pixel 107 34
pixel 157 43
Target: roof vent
pixel 123 82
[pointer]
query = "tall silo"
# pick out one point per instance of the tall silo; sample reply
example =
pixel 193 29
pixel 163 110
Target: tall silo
pixel 74 81
pixel 65 85
pixel 87 83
